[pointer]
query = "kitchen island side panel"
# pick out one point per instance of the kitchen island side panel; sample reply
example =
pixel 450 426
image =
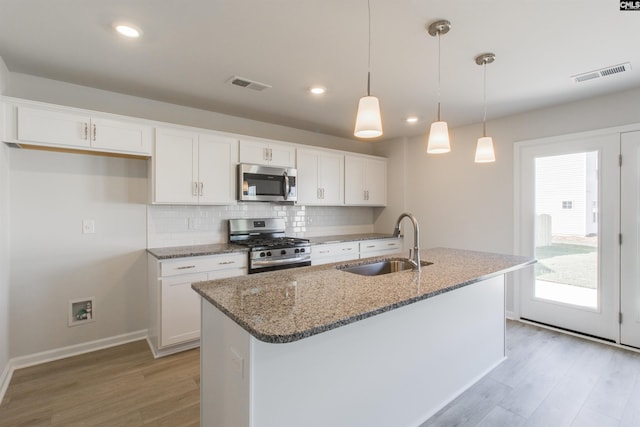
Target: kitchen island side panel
pixel 397 368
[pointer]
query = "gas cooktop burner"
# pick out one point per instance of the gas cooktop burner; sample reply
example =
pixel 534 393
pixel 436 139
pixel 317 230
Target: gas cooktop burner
pixel 276 242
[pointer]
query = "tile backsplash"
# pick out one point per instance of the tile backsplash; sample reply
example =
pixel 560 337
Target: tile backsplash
pixel 173 225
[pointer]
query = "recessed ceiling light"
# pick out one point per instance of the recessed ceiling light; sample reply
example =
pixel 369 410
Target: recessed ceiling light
pixel 127 30
pixel 411 119
pixel 318 90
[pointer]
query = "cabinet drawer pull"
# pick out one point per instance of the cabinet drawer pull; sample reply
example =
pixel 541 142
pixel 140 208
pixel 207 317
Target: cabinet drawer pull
pixel 324 252
pixel 347 249
pixel 371 246
pixel 186 267
pixel 226 262
pixel 391 244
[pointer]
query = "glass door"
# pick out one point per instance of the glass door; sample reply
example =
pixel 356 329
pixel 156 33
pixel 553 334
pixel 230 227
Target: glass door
pixel 630 247
pixel 569 209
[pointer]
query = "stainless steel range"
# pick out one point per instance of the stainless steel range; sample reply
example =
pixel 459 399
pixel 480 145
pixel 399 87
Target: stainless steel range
pixel 269 248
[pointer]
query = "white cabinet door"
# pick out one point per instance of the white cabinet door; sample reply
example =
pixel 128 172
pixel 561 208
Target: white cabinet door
pixel 52 127
pixel 354 186
pixel 365 181
pixel 174 178
pixel 307 180
pixel 331 178
pixel 77 130
pixel 282 155
pixel 217 159
pixel 120 136
pixel 266 153
pixel 376 182
pixel 180 309
pixel 320 177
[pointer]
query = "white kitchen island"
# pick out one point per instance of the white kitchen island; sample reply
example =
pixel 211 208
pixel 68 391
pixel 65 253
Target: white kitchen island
pixel 317 346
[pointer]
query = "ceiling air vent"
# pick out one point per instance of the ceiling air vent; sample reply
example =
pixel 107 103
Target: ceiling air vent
pixel 242 82
pixel 604 72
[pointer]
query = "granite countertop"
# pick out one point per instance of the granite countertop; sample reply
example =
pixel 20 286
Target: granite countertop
pixel 195 250
pixel 289 305
pixel 349 238
pixel 223 248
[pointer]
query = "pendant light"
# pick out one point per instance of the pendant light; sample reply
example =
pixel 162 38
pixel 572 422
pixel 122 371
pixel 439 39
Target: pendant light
pixel 438 141
pixel 484 149
pixel 368 121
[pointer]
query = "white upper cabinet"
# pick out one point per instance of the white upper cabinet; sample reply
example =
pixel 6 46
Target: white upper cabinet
pixel 365 180
pixel 70 128
pixel 194 168
pixel 264 152
pixel 320 177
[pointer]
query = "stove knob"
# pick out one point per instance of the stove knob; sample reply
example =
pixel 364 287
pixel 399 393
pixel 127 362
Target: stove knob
pixel 268 253
pixel 302 250
pixel 283 252
pixel 261 254
pixel 297 251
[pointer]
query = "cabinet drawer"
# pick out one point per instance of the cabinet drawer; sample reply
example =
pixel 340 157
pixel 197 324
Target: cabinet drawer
pixel 203 264
pixel 335 249
pixel 380 245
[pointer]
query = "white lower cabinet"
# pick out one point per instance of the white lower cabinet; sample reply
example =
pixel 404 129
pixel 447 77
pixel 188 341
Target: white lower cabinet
pixel 173 306
pixel 379 247
pixel 334 252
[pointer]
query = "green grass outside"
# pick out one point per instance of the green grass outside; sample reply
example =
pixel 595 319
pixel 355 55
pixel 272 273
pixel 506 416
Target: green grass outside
pixel 569 264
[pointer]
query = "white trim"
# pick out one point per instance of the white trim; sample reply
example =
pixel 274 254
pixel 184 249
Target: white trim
pixel 177 348
pixel 511 315
pixel 62 353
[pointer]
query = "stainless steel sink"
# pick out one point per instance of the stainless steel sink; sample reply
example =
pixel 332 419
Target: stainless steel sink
pixel 386 266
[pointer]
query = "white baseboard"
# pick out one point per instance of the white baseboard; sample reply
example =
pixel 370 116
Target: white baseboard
pixel 5 379
pixel 157 353
pixel 511 315
pixel 62 353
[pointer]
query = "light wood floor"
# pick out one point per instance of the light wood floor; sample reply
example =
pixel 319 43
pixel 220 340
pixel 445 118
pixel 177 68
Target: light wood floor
pixel 549 380
pixel 119 386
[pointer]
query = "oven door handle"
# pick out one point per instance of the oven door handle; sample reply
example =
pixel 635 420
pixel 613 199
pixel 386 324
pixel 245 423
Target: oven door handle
pixel 287 186
pixel 280 261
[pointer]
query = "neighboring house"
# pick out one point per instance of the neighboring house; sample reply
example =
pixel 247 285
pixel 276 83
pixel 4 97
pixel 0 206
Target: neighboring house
pixel 567 194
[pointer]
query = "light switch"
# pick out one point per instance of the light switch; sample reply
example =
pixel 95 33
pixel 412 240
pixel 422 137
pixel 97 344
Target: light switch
pixel 88 226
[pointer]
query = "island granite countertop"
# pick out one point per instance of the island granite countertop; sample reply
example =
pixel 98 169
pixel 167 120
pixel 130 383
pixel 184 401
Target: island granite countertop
pixel 289 305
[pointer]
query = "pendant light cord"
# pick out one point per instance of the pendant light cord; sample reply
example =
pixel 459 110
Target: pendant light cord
pixel 439 62
pixel 484 99
pixel 369 57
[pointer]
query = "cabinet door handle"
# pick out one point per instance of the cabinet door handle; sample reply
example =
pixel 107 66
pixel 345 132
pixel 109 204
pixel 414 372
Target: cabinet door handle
pixel 270 154
pixel 201 189
pixel 94 131
pixel 186 267
pixel 318 194
pixel 194 189
pixel 86 131
pixel 226 262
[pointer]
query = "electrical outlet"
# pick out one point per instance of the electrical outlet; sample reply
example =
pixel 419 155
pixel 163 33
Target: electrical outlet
pixel 88 226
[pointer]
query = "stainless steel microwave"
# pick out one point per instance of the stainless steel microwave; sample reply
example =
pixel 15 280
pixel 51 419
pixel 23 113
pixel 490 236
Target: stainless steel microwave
pixel 258 183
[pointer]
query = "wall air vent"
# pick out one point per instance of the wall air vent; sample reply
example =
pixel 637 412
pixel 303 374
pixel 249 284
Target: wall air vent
pixel 242 82
pixel 604 72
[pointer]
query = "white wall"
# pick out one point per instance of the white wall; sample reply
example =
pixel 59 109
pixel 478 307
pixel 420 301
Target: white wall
pixel 52 262
pixel 465 205
pixel 4 236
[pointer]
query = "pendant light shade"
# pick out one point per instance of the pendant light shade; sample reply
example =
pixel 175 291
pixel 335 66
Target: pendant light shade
pixel 368 119
pixel 438 138
pixel 438 141
pixel 484 148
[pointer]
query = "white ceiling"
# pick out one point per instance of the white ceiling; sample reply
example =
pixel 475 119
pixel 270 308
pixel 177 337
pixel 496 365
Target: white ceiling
pixel 190 49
